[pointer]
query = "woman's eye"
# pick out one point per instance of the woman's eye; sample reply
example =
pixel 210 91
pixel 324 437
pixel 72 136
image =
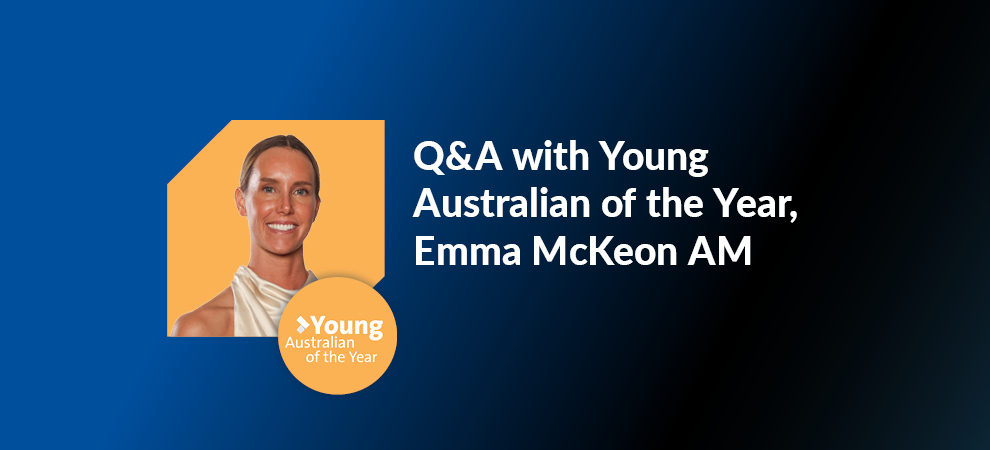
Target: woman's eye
pixel 268 189
pixel 301 192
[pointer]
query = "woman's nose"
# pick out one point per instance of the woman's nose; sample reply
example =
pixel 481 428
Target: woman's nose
pixel 285 205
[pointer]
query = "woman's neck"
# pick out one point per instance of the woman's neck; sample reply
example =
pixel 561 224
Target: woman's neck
pixel 287 271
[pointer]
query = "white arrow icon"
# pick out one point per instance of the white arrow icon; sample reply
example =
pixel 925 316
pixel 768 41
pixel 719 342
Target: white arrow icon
pixel 302 322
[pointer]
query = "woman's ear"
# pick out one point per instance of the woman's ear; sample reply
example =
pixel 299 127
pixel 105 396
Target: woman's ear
pixel 239 201
pixel 315 213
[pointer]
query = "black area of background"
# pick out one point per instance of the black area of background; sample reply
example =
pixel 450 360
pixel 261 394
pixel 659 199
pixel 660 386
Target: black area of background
pixel 867 328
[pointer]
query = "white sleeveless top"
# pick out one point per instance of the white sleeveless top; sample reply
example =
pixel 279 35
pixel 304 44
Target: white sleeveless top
pixel 258 303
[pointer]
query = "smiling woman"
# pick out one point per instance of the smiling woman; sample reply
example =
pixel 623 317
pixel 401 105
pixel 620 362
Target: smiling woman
pixel 280 196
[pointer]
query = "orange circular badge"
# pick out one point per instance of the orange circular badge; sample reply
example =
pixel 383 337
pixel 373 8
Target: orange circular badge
pixel 337 336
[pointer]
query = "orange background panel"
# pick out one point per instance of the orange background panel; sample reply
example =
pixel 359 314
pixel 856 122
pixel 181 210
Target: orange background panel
pixel 208 239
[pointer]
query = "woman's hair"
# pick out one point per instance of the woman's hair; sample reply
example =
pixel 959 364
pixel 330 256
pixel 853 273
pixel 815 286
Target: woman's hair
pixel 287 141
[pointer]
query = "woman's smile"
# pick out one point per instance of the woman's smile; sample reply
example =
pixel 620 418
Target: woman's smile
pixel 282 227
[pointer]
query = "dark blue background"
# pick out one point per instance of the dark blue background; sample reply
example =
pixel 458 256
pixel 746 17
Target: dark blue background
pixel 862 325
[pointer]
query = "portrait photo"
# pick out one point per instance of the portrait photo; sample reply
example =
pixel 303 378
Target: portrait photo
pixel 264 209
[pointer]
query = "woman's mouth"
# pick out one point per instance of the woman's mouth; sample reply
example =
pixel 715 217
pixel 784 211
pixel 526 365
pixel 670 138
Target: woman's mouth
pixel 282 227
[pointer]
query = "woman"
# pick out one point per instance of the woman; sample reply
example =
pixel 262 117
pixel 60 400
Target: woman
pixel 280 196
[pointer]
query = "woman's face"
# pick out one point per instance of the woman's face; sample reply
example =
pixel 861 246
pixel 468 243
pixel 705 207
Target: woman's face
pixel 279 201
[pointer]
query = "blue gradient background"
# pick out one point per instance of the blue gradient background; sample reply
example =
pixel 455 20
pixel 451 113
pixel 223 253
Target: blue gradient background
pixel 862 325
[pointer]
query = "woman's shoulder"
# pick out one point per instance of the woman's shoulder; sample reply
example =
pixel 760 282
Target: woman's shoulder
pixel 213 318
